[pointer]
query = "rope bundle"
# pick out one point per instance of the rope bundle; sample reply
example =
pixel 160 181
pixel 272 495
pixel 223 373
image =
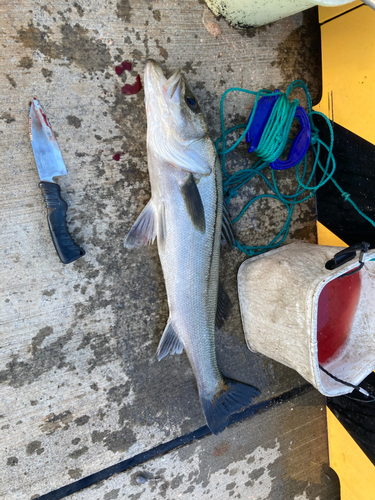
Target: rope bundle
pixel 271 146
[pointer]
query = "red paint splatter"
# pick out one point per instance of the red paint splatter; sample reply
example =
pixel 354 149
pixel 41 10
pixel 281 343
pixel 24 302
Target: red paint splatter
pixel 125 65
pixel 117 157
pixel 132 89
pixel 336 308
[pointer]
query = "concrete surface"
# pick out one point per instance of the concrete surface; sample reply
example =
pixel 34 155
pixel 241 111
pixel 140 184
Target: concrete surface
pixel 80 386
pixel 276 455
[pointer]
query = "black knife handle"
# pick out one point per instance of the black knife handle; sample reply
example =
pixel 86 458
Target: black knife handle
pixel 66 248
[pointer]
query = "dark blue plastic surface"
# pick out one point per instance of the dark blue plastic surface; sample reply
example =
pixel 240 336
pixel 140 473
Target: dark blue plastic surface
pixel 300 144
pixel 261 117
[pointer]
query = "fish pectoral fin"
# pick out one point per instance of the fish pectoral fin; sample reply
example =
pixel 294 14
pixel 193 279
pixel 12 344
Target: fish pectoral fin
pixel 169 343
pixel 227 231
pixel 223 307
pixel 193 203
pixel 143 231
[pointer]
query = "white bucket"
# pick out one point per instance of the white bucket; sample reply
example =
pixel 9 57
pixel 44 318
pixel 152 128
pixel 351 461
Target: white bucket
pixel 279 293
pixel 244 13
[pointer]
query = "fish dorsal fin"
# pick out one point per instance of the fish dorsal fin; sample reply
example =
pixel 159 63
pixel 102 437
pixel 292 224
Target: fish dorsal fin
pixel 223 307
pixel 143 231
pixel 169 343
pixel 227 230
pixel 193 203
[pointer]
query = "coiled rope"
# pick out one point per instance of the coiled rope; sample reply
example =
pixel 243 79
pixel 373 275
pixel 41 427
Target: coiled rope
pixel 271 146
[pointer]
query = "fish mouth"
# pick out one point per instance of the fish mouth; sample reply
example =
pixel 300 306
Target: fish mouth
pixel 156 81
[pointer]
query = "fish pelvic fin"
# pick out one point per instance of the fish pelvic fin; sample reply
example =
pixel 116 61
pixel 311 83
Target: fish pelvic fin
pixel 169 343
pixel 143 231
pixel 231 398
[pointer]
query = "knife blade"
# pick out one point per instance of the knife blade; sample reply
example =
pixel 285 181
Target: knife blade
pixel 50 164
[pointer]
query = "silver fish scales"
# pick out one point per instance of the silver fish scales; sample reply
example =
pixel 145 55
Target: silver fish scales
pixel 184 214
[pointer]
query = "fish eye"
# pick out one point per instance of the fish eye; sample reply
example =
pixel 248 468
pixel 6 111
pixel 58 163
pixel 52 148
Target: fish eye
pixel 192 103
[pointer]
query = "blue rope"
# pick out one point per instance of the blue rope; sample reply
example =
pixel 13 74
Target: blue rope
pixel 272 144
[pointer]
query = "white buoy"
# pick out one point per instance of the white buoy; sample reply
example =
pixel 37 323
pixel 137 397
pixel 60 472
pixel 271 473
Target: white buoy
pixel 245 13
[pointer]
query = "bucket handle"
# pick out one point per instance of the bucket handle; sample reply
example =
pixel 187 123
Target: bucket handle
pixel 367 393
pixel 347 255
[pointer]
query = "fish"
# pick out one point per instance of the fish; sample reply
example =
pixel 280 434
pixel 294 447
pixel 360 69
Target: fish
pixel 185 216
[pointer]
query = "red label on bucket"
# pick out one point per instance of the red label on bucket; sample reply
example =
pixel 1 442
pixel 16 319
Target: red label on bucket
pixel 337 305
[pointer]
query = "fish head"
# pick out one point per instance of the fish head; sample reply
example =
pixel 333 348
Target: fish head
pixel 176 129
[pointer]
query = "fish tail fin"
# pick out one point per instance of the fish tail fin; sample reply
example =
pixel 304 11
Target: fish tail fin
pixel 233 398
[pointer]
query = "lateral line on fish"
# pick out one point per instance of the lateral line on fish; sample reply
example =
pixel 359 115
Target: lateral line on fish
pixel 213 239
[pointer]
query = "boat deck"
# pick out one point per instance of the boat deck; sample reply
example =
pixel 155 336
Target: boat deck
pixel 84 401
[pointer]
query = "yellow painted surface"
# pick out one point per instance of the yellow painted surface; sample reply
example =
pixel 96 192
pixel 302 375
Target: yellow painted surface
pixel 326 13
pixel 356 472
pixel 326 237
pixel 348 55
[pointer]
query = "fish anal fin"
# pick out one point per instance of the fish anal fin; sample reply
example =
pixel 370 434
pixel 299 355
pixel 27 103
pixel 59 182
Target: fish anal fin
pixel 193 203
pixel 227 230
pixel 223 307
pixel 143 231
pixel 169 343
pixel 232 398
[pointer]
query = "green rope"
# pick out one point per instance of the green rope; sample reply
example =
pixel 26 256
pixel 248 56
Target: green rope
pixel 272 144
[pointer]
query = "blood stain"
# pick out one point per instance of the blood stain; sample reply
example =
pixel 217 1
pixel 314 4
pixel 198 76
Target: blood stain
pixel 117 157
pixel 44 118
pixel 125 65
pixel 132 89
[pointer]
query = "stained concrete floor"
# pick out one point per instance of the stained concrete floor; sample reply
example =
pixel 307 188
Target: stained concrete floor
pixel 80 386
